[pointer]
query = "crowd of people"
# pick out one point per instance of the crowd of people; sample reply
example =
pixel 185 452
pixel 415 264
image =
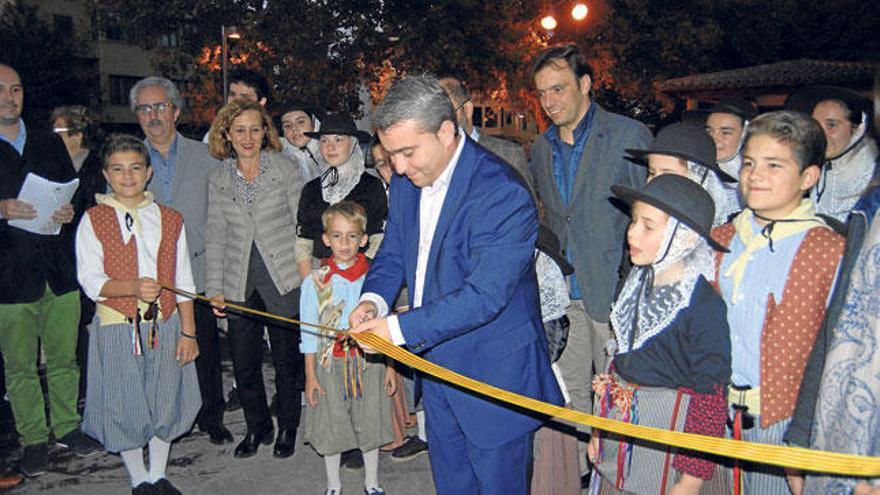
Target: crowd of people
pixel 719 278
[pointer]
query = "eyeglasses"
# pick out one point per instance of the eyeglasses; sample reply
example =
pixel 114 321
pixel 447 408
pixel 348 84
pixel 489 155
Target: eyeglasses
pixel 460 106
pixel 158 107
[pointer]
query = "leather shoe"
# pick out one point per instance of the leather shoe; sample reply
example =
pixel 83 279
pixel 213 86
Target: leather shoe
pixel 252 440
pixel 219 435
pixel 285 444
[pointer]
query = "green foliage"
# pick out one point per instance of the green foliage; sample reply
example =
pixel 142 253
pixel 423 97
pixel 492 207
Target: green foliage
pixel 59 75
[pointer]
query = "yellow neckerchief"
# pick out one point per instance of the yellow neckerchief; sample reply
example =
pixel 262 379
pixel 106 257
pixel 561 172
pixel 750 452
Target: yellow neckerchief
pixel 111 201
pixel 802 218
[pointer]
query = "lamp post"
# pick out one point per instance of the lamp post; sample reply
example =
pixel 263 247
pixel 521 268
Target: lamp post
pixel 227 32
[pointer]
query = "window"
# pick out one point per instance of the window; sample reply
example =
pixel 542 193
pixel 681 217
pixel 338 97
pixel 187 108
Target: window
pixel 491 118
pixel 115 28
pixel 120 87
pixel 169 40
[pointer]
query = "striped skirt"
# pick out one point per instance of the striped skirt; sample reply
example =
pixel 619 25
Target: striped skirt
pixel 626 465
pixel 131 399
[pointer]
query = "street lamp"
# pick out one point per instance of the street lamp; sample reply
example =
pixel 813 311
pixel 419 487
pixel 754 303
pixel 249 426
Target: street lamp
pixel 548 22
pixel 578 12
pixel 227 32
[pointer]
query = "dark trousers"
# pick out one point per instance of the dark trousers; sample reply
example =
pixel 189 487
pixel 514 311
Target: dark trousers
pixel 208 368
pixel 246 343
pixel 87 313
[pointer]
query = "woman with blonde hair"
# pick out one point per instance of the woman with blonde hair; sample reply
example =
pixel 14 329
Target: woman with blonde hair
pixel 252 209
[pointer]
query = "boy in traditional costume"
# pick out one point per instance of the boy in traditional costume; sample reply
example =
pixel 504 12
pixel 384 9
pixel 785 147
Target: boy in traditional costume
pixel 142 385
pixel 776 281
pixel 348 408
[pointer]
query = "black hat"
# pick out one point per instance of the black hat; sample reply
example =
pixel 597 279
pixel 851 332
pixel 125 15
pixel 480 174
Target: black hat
pixel 334 123
pixel 740 107
pixel 681 198
pixel 685 141
pixel 805 100
pixel 548 244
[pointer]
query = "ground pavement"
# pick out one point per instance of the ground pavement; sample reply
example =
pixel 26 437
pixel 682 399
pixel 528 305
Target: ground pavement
pixel 197 467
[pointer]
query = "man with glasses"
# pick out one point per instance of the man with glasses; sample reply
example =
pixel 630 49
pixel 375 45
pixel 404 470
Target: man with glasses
pixel 39 296
pixel 512 153
pixel 181 168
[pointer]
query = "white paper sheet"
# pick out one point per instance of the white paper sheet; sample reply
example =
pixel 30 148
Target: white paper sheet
pixel 46 197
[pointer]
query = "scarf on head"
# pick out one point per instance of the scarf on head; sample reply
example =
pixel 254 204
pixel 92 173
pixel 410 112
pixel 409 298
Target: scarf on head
pixel 707 178
pixel 337 182
pixel 132 217
pixel 642 310
pixel 802 218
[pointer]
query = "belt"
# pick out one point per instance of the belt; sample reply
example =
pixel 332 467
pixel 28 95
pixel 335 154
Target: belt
pixel 751 398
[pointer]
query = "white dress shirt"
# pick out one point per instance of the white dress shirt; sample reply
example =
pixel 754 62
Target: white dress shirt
pixel 430 206
pixel 90 253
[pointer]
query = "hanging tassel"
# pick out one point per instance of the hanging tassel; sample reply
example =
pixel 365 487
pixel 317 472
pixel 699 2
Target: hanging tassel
pixel 136 334
pixel 359 382
pixel 151 315
pixel 633 419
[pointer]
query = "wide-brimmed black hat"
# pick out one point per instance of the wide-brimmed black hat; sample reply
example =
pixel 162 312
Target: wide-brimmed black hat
pixel 679 197
pixel 805 100
pixel 740 107
pixel 548 243
pixel 335 123
pixel 685 141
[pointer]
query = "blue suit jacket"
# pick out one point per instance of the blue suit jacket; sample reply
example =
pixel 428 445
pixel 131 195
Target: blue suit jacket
pixel 480 312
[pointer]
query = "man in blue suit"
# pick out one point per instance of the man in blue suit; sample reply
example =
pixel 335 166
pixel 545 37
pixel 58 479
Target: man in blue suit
pixel 461 234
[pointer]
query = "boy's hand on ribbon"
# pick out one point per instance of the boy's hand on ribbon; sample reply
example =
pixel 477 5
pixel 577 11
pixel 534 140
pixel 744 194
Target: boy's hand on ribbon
pixel 64 214
pixel 13 209
pixel 218 307
pixel 313 391
pixel 187 350
pixel 147 289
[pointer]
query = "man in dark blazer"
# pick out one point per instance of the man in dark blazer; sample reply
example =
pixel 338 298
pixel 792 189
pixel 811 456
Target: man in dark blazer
pixel 575 162
pixel 461 233
pixel 181 168
pixel 39 296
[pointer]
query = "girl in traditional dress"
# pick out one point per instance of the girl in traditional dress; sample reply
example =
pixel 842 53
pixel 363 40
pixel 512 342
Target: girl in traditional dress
pixel 142 387
pixel 672 360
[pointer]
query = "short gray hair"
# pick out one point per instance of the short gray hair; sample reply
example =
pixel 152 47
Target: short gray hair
pixel 171 91
pixel 418 98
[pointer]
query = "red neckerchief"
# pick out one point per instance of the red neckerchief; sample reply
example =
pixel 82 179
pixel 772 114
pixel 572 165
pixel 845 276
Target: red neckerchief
pixel 351 273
